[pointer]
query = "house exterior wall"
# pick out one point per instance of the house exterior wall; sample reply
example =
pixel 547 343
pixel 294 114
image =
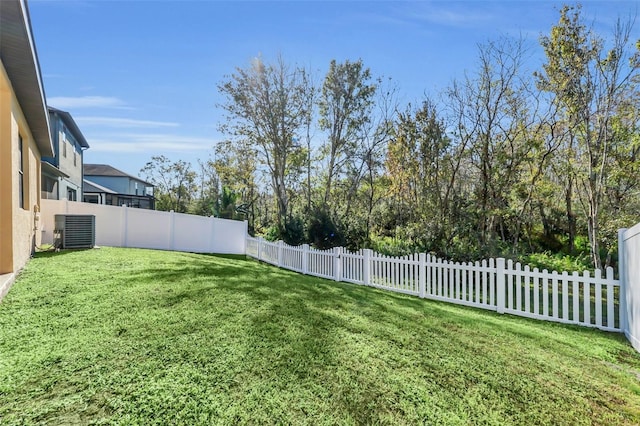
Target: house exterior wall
pixel 137 187
pixel 119 184
pixel 71 163
pixel 68 159
pixel 18 224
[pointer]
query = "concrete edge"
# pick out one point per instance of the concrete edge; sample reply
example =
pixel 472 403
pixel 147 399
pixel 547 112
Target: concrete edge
pixel 6 281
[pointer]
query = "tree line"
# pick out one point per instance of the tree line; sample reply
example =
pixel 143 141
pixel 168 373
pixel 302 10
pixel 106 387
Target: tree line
pixel 507 160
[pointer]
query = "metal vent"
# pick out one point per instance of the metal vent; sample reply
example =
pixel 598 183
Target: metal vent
pixel 74 231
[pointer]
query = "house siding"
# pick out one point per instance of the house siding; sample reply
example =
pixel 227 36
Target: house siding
pixel 19 233
pixel 66 164
pixel 119 184
pixel 66 147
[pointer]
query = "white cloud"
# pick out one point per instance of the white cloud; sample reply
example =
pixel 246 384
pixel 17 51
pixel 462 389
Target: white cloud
pixel 122 122
pixel 66 102
pixel 151 143
pixel 446 14
pixel 455 18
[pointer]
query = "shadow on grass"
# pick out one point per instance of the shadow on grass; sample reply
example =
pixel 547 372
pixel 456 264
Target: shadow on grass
pixel 261 281
pixel 308 299
pixel 272 338
pixel 53 253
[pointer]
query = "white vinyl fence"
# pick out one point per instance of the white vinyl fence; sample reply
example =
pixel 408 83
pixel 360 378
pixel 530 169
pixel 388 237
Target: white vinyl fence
pixel 494 284
pixel 141 228
pixel 629 261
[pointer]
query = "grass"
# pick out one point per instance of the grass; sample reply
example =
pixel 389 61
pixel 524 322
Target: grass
pixel 125 336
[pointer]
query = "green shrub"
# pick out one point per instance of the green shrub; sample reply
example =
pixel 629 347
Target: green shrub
pixel 557 262
pixel 322 231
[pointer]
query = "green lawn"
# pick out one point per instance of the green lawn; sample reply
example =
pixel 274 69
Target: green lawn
pixel 125 336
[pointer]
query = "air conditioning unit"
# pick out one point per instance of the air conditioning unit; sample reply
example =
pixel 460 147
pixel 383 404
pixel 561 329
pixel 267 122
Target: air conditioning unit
pixel 74 231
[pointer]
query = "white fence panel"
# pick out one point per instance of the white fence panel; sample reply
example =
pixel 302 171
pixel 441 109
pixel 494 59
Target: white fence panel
pixel 269 252
pixel 109 220
pixel 492 284
pixel 291 258
pixel 130 227
pixel 321 263
pixel 352 267
pixel 138 224
pixel 227 238
pixel 252 247
pixel 573 299
pixel 398 274
pixel 192 233
pixel 462 283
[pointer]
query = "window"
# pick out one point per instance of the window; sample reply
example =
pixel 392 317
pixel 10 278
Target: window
pixel 71 194
pixel 74 159
pixel 92 198
pixel 63 141
pixel 21 172
pixel 49 188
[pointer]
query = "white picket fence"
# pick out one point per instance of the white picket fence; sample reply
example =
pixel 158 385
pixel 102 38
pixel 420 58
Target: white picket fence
pixel 493 284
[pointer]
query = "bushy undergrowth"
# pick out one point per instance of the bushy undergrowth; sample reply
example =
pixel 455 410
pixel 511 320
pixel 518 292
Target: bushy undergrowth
pixel 557 262
pixel 542 260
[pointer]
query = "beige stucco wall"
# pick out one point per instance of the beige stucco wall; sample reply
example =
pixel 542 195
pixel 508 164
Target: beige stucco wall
pixel 6 170
pixel 18 226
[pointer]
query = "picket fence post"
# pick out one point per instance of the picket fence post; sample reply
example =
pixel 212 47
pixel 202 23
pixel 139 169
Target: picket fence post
pixel 212 236
pixel 337 263
pixel 246 233
pixel 366 266
pixel 622 276
pixel 280 245
pixel 500 285
pixel 305 259
pixel 422 275
pixel 125 226
pixel 172 230
pixel 260 248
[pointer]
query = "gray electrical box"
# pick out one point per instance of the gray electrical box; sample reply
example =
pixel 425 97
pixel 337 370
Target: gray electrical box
pixel 74 231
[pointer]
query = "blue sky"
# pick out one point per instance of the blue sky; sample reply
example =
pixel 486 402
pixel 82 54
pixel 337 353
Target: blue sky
pixel 140 77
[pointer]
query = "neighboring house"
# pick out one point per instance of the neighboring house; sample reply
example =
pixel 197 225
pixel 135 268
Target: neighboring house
pixel 24 139
pixel 104 184
pixel 62 174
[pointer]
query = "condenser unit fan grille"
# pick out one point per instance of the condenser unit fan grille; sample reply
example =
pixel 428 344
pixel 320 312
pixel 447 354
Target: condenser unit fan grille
pixel 75 231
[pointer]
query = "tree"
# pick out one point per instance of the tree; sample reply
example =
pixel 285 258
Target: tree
pixel 423 167
pixel 491 121
pixel 175 183
pixel 310 98
pixel 377 134
pixel 207 203
pixel 588 81
pixel 266 107
pixel 236 164
pixel 345 106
